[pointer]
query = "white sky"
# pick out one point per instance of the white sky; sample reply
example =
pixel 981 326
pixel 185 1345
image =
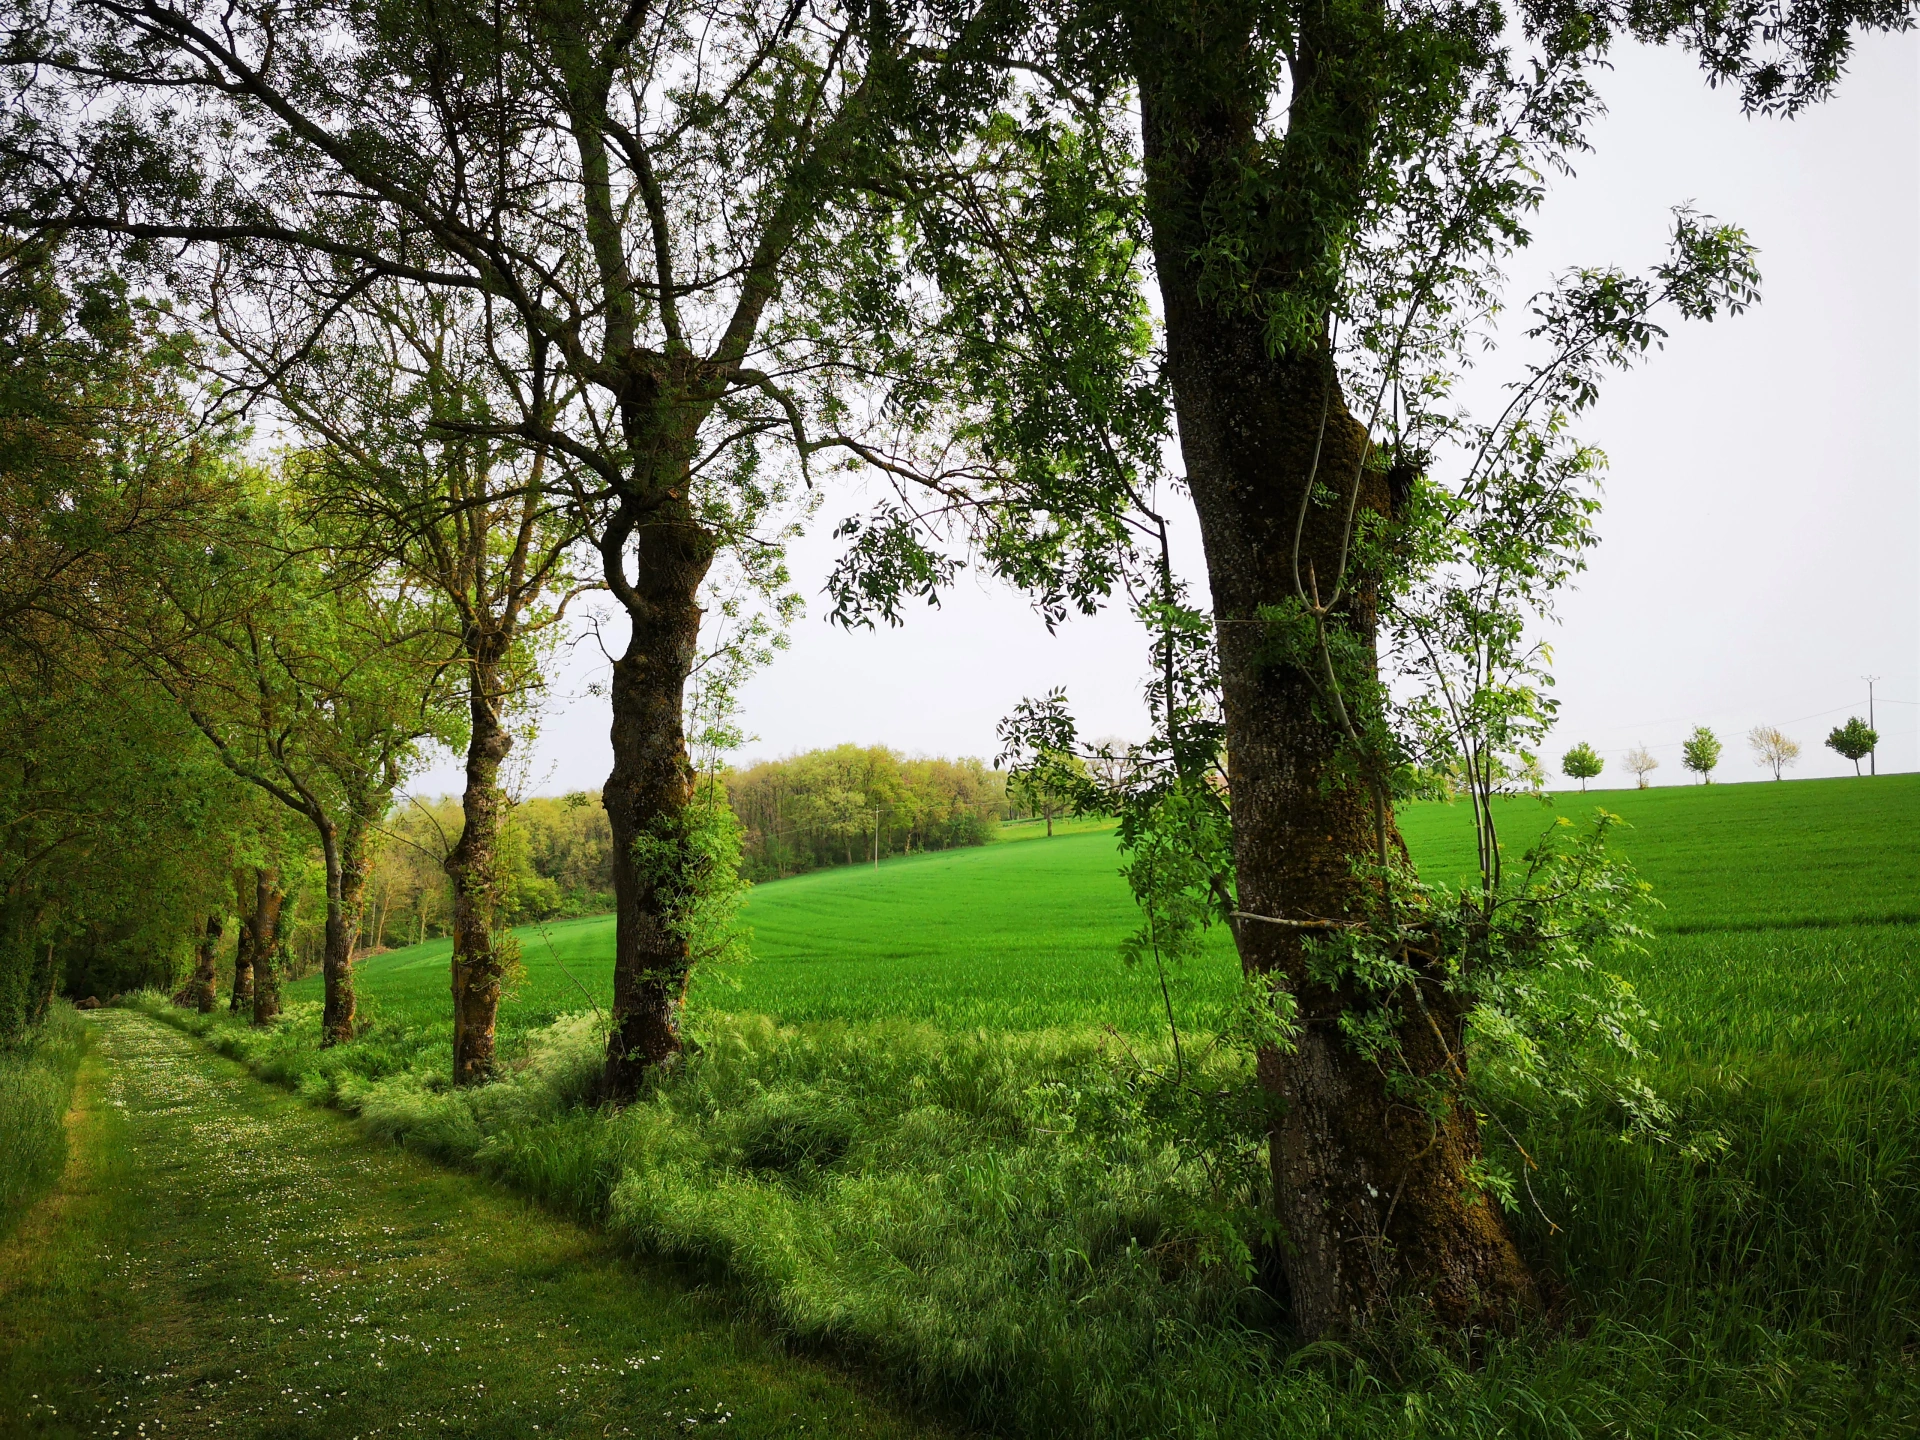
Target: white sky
pixel 1761 537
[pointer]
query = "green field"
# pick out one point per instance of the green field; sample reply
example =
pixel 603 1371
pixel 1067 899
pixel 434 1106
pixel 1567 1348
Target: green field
pixel 1024 936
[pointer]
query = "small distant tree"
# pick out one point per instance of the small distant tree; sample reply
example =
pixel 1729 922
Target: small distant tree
pixel 1113 762
pixel 1855 740
pixel 1700 752
pixel 1773 748
pixel 1641 762
pixel 1053 789
pixel 1582 763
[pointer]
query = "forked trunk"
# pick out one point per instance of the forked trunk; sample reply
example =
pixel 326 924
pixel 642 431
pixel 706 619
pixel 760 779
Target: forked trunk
pixel 472 866
pixel 246 895
pixel 646 799
pixel 269 901
pixel 1375 1193
pixel 202 991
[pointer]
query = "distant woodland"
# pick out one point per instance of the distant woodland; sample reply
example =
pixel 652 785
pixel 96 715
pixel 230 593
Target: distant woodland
pixel 804 812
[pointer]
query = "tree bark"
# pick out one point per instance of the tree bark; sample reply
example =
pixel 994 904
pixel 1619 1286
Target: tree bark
pixel 471 865
pixel 647 795
pixel 345 850
pixel 269 901
pixel 203 991
pixel 49 984
pixel 246 895
pixel 1375 1195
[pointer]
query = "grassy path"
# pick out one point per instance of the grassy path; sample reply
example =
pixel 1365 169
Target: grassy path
pixel 221 1259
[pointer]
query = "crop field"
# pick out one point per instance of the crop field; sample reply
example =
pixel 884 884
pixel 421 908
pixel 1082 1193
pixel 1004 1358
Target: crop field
pixel 1024 935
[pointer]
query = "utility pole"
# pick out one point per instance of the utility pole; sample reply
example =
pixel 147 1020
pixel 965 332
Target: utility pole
pixel 1873 755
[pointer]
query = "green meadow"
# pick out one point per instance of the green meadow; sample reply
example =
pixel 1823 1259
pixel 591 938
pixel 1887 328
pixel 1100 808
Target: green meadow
pixel 918 1134
pixel 1024 934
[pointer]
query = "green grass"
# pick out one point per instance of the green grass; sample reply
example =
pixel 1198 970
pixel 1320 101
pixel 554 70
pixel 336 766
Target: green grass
pixel 36 1083
pixel 1767 855
pixel 224 1260
pixel 909 1138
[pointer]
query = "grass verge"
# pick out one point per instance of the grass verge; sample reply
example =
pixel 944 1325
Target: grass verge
pixel 36 1086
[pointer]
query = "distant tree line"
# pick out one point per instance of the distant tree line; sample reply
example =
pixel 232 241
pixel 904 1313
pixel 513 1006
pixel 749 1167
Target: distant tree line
pixel 1773 749
pixel 804 812
pixel 849 804
pixel 555 862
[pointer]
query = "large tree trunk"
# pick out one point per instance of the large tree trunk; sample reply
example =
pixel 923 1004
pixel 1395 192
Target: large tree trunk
pixel 246 898
pixel 269 901
pixel 202 992
pixel 647 796
pixel 346 856
pixel 1375 1194
pixel 471 865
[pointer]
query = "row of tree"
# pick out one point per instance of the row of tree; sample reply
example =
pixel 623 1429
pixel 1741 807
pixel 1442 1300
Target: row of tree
pixel 637 275
pixel 295 630
pixel 1773 749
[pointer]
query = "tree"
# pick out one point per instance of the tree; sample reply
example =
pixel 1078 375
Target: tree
pixel 1111 762
pixel 312 684
pixel 1051 787
pixel 397 391
pixel 1582 763
pixel 1700 752
pixel 1641 762
pixel 1854 740
pixel 1329 192
pixel 114 822
pixel 1773 748
pixel 681 220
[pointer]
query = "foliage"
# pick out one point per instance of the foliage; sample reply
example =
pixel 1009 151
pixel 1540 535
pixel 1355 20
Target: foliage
pixel 1773 748
pixel 1854 740
pixel 1700 752
pixel 115 828
pixel 1582 763
pixel 692 861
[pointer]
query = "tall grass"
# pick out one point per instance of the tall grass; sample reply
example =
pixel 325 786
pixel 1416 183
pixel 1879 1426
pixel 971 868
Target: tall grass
pixel 36 1085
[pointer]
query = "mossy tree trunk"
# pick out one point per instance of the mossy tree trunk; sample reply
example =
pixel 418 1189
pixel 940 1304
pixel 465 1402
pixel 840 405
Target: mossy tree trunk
pixel 652 782
pixel 345 850
pixel 204 988
pixel 246 896
pixel 1375 1192
pixel 472 865
pixel 268 904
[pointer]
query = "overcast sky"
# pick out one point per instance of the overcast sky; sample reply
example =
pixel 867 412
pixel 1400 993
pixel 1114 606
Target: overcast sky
pixel 1761 536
